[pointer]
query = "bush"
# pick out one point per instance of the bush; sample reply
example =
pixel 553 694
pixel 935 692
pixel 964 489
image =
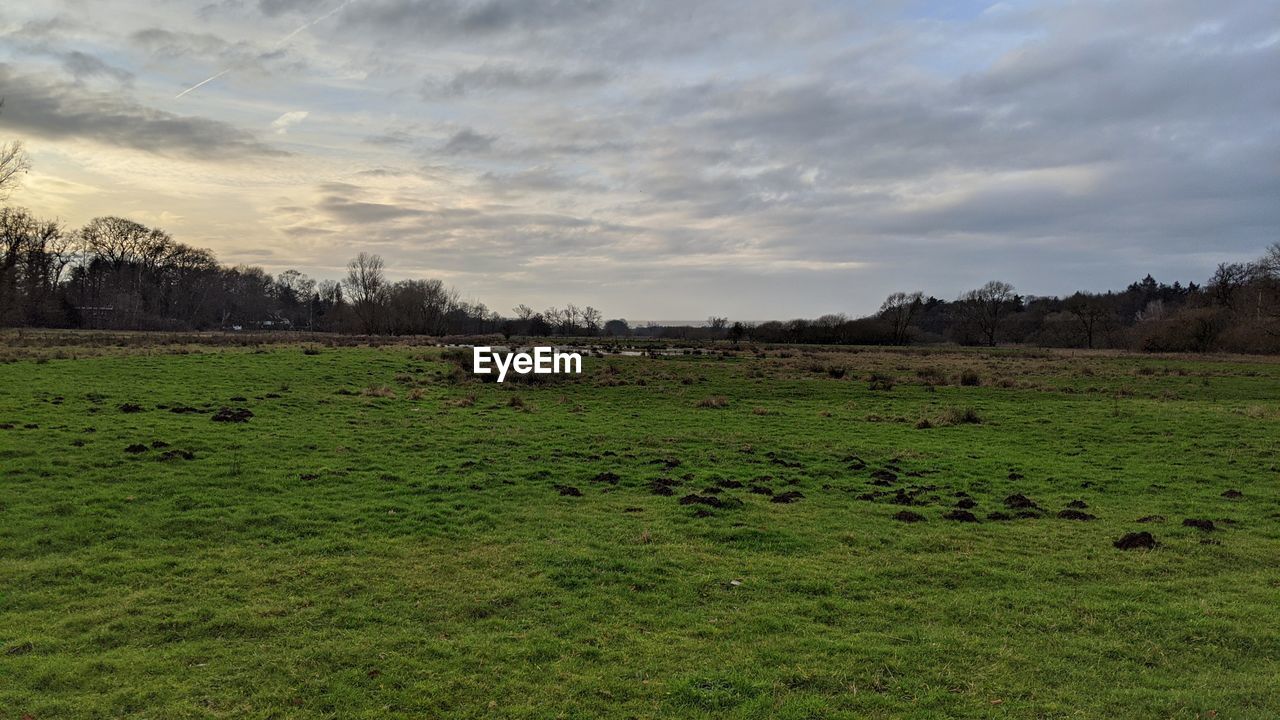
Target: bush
pixel 969 378
pixel 880 381
pixel 932 376
pixel 960 416
pixel 464 401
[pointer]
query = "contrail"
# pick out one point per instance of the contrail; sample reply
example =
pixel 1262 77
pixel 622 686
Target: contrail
pixel 279 43
pixel 202 82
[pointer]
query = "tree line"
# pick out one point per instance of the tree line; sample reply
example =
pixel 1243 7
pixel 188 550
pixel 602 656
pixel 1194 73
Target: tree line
pixel 1236 310
pixel 118 274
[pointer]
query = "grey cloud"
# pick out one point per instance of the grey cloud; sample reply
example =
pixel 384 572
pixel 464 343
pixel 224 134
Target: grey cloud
pixel 55 110
pixel 508 76
pixel 434 18
pixel 82 65
pixel 272 8
pixel 467 141
pixel 240 55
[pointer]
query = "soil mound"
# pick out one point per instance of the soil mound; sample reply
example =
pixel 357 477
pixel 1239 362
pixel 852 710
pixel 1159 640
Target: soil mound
pixel 232 415
pixel 695 499
pixel 1018 501
pixel 1136 541
pixel 883 477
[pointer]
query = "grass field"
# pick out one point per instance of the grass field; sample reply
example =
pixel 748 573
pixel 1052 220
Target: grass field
pixel 385 538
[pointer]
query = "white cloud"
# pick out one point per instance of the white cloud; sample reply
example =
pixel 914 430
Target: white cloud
pixel 282 124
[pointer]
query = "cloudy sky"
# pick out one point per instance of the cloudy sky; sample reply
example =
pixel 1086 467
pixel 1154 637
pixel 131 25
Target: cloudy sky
pixel 667 159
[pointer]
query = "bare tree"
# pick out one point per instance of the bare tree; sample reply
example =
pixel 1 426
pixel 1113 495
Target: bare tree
pixel 1227 282
pixel 33 255
pixel 552 316
pixel 14 163
pixel 571 316
pixel 899 309
pixel 1269 264
pixel 591 319
pixel 985 308
pixel 366 284
pixel 1091 313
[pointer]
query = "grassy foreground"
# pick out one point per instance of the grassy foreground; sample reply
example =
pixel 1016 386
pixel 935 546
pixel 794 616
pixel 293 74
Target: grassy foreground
pixel 383 539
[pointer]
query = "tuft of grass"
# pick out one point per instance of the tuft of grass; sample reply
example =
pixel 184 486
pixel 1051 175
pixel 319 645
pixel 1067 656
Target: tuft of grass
pixel 880 381
pixel 714 402
pixel 379 391
pixel 959 416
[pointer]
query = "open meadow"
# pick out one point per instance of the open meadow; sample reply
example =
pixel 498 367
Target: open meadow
pixel 305 530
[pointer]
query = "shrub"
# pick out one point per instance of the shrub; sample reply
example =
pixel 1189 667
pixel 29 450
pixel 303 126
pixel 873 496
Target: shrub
pixel 880 381
pixel 464 401
pixel 960 416
pixel 932 376
pixel 969 378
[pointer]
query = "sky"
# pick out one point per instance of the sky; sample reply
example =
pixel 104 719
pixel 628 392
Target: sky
pixel 753 159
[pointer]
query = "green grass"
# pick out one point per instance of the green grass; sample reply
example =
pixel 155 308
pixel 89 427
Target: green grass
pixel 355 552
